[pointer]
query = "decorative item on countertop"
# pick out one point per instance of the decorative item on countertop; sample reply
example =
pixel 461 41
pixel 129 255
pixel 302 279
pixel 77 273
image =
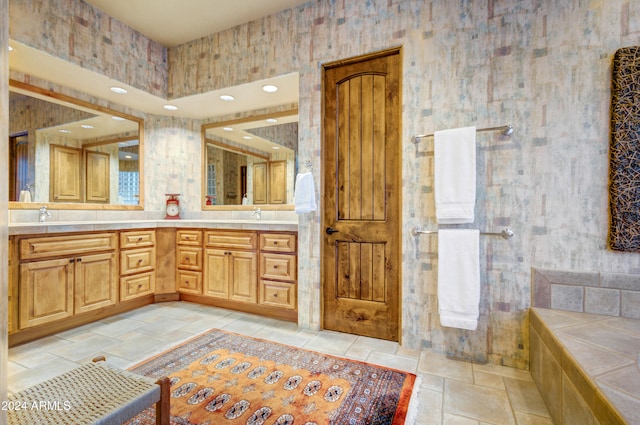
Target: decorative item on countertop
pixel 211 200
pixel 172 207
pixel 245 200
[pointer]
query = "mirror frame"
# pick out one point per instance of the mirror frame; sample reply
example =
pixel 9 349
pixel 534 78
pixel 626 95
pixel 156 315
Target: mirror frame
pixel 205 141
pixel 58 98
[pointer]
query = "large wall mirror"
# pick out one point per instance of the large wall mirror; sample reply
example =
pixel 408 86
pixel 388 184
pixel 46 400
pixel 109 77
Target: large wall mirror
pixel 68 153
pixel 250 162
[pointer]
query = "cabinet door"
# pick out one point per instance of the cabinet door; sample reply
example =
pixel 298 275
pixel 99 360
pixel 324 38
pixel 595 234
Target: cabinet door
pixel 46 291
pixel 64 174
pixel 243 276
pixel 216 272
pixel 260 176
pixel 97 172
pixel 278 182
pixel 96 281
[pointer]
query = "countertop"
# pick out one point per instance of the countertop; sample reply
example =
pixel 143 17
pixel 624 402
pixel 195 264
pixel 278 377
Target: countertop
pixel 19 228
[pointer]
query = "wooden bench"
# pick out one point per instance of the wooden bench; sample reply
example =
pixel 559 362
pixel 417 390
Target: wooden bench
pixel 95 393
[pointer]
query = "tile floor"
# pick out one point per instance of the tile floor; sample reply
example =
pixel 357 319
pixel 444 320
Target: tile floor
pixel 451 392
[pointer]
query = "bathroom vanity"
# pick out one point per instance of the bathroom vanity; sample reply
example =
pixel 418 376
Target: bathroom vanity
pixel 63 275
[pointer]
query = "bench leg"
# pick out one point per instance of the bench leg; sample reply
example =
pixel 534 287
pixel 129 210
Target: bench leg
pixel 163 413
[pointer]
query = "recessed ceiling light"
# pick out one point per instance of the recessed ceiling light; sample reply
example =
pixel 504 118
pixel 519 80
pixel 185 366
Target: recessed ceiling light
pixel 270 88
pixel 118 90
pixel 227 97
pixel 170 107
pixel 64 131
pixel 227 129
pixel 86 126
pixel 118 118
pixel 128 156
pixel 271 120
pixel 247 137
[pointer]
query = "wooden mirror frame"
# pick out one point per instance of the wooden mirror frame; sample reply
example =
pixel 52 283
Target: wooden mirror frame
pixel 206 141
pixel 58 98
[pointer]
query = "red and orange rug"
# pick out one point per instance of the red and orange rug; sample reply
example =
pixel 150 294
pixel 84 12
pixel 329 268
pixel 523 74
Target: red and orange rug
pixel 222 378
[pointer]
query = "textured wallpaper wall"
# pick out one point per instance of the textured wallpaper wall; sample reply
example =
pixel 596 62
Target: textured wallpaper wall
pixel 542 66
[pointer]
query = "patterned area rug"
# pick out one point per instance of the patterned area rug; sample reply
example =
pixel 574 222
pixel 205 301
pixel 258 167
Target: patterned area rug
pixel 222 378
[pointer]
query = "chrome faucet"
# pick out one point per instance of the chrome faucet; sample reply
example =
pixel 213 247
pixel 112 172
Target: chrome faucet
pixel 44 214
pixel 257 214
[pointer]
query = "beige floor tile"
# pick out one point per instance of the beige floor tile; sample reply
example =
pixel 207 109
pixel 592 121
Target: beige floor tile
pixel 523 418
pixel 450 419
pixel 430 407
pixel 436 364
pixel 330 342
pixel 505 371
pixel 489 405
pixel 84 348
pixel 432 382
pixel 488 380
pixel 395 362
pixel 33 376
pixel 525 397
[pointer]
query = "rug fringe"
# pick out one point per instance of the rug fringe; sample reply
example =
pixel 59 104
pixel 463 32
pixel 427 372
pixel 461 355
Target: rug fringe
pixel 412 411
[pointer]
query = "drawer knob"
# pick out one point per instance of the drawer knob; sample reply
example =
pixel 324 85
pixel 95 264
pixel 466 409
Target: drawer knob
pixel 140 261
pixel 275 242
pixel 140 239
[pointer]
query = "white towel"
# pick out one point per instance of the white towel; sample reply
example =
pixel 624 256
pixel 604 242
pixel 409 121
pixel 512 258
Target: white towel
pixel 455 175
pixel 459 278
pixel 304 196
pixel 25 196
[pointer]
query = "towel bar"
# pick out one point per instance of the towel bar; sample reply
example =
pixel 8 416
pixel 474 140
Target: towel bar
pixel 506 232
pixel 507 130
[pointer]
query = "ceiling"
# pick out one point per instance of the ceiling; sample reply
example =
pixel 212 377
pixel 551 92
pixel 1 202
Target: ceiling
pixel 170 22
pixel 174 22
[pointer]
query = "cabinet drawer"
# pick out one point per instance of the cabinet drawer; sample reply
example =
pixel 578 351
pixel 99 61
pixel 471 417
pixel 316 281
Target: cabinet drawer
pixel 189 237
pixel 278 294
pixel 237 240
pixel 278 266
pixel 189 282
pixel 57 246
pixel 137 260
pixel 189 258
pixel 137 285
pixel 278 242
pixel 137 239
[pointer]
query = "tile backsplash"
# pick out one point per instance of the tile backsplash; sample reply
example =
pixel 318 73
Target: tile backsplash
pixel 610 294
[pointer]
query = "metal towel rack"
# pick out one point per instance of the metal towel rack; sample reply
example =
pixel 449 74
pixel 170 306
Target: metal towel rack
pixel 507 130
pixel 506 232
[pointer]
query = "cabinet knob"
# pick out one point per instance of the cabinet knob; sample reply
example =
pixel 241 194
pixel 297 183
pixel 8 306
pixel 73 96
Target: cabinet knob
pixel 140 261
pixel 187 259
pixel 140 239
pixel 275 242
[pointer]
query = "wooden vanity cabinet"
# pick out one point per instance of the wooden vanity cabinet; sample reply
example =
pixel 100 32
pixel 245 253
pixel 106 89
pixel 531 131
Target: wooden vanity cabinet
pixel 13 288
pixel 278 270
pixel 189 261
pixel 231 265
pixel 60 276
pixel 137 263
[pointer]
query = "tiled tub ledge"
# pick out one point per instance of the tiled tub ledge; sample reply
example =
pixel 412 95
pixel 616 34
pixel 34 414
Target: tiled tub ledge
pixel 585 366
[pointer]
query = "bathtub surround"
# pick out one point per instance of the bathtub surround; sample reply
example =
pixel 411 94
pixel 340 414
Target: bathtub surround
pixel 585 366
pixel 543 66
pixel 610 294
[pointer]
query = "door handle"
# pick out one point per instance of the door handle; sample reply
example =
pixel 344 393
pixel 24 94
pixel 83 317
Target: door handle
pixel 331 230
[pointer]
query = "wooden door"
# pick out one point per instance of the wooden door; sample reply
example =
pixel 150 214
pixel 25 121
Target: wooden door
pixel 96 281
pixel 46 291
pixel 361 199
